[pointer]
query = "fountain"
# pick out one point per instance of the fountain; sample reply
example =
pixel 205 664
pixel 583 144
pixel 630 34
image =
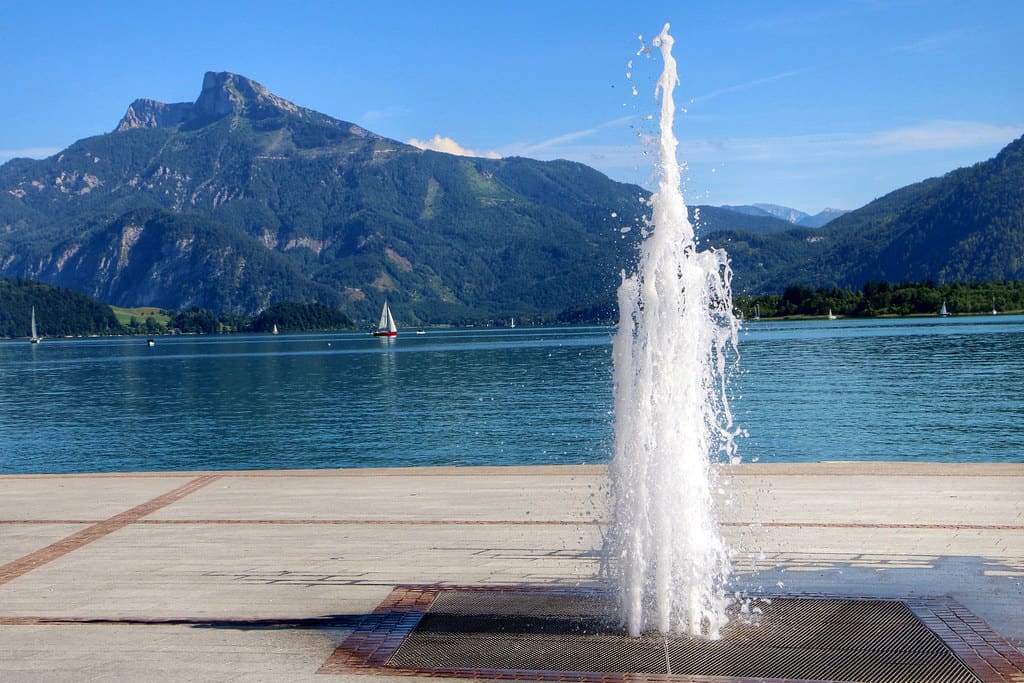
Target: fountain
pixel 673 428
pixel 672 417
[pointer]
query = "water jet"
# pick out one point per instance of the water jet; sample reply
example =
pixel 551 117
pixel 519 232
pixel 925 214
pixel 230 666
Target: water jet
pixel 672 417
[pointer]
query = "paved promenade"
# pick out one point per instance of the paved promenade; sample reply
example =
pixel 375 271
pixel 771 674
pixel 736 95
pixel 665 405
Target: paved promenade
pixel 225 576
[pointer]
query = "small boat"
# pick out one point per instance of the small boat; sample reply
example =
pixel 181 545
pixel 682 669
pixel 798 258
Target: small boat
pixel 944 311
pixel 831 315
pixel 35 338
pixel 274 331
pixel 420 331
pixel 386 327
pixel 150 342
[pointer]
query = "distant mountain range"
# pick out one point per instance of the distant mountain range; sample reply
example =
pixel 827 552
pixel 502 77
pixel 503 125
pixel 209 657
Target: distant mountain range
pixel 965 226
pixel 792 216
pixel 242 199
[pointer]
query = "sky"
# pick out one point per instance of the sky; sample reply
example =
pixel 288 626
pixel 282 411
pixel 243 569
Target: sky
pixel 812 104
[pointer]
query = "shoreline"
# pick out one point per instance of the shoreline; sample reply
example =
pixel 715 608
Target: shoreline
pixel 837 467
pixel 821 467
pixel 411 330
pixel 886 316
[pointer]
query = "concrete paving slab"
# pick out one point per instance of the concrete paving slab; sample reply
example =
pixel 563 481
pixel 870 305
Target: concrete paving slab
pixel 390 495
pixel 18 540
pixel 140 653
pixel 873 499
pixel 257 570
pixel 91 498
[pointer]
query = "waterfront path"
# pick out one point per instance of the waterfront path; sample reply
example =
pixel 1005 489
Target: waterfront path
pixel 259 575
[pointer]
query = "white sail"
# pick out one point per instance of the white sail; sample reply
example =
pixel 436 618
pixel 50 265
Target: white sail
pixel 35 335
pixel 386 326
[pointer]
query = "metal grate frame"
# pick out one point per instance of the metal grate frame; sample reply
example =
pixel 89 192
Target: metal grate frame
pixel 530 633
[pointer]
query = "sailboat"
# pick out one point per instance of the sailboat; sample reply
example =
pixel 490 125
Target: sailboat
pixel 944 312
pixel 994 311
pixel 831 315
pixel 757 312
pixel 512 324
pixel 386 327
pixel 274 331
pixel 35 338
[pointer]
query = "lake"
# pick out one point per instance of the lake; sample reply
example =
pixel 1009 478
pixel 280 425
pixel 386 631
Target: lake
pixel 926 389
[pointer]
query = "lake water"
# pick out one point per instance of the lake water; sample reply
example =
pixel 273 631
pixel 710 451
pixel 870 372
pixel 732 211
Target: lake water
pixel 907 389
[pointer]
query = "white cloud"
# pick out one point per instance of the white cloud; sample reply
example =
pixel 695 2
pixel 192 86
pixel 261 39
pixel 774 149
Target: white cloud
pixel 439 143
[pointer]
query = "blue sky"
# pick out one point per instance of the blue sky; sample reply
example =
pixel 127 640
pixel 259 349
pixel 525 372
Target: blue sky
pixel 809 104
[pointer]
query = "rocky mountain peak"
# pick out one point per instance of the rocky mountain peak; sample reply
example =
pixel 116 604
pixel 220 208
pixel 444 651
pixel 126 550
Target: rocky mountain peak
pixel 227 93
pixel 146 113
pixel 223 93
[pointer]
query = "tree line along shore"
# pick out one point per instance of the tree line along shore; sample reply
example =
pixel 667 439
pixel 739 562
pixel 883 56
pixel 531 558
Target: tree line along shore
pixel 883 299
pixel 64 313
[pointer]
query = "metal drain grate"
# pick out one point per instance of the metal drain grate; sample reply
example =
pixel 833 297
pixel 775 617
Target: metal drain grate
pixel 793 639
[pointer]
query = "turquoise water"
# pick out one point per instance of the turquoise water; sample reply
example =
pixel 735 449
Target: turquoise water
pixel 908 389
pixel 921 389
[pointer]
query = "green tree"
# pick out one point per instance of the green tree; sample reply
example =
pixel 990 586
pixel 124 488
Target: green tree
pixel 196 321
pixel 298 317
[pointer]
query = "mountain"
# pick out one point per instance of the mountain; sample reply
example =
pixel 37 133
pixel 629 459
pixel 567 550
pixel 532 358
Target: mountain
pixel 712 219
pixel 222 94
pixel 177 261
pixel 966 226
pixel 241 200
pixel 823 217
pixel 784 213
pixel 787 214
